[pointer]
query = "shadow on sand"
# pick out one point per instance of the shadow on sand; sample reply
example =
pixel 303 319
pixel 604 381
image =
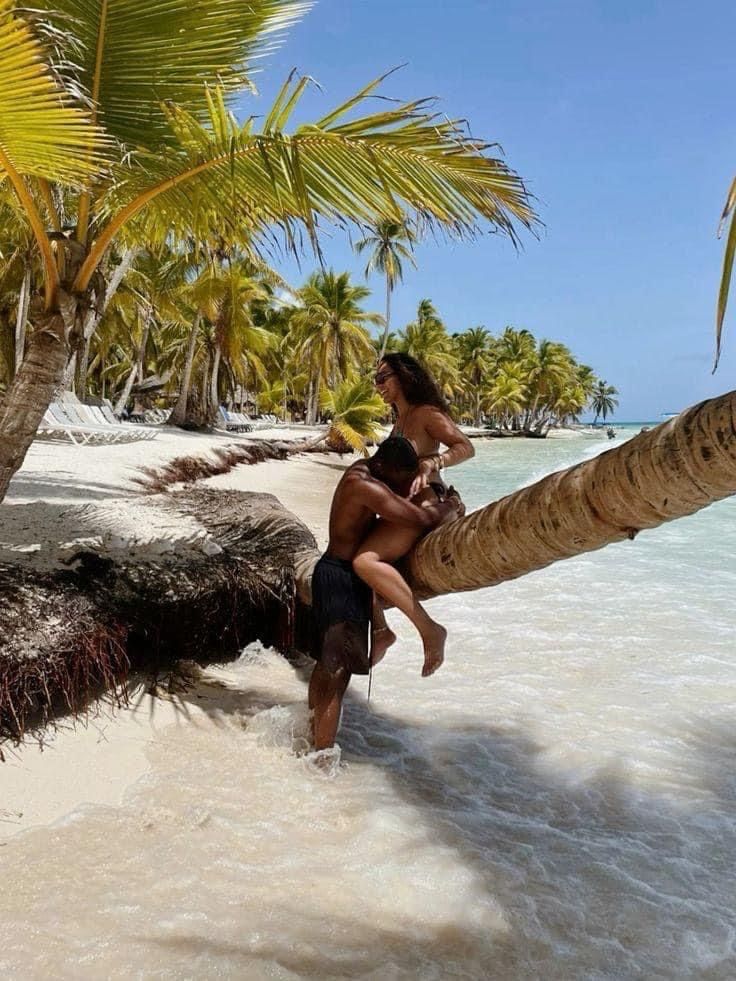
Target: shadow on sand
pixel 593 877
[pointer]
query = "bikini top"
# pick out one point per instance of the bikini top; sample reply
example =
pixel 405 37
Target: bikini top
pixel 397 431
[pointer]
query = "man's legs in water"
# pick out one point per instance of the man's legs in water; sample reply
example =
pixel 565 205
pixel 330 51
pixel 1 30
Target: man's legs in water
pixel 326 692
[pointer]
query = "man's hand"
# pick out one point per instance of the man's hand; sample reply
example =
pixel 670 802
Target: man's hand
pixel 453 497
pixel 452 507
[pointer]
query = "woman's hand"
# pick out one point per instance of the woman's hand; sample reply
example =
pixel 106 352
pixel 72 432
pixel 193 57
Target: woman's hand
pixel 427 466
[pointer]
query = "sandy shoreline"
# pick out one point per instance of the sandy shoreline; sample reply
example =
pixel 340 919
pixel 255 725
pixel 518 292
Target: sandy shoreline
pixel 97 759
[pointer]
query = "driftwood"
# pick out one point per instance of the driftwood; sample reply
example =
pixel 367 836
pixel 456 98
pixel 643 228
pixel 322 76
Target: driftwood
pixel 86 616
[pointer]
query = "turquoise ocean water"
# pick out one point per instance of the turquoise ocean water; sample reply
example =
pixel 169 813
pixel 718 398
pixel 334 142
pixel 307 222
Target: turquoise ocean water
pixel 558 801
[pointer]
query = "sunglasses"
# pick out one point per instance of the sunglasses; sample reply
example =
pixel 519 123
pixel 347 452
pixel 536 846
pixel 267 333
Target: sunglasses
pixel 381 377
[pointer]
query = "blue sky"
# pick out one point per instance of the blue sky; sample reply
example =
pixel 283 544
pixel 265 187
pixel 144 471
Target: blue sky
pixel 620 117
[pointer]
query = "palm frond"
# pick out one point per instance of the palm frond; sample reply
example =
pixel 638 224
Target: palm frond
pixel 355 408
pixel 355 172
pixel 728 258
pixel 138 55
pixel 42 133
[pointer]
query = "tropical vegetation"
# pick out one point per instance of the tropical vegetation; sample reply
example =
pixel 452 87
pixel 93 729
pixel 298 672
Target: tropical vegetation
pixel 117 137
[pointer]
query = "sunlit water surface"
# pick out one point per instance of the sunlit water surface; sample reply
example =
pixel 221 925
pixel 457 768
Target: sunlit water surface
pixel 559 801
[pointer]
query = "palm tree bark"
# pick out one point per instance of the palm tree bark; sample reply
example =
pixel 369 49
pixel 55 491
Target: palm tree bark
pixel 214 388
pixel 179 414
pixel 122 400
pixel 20 323
pixel 384 341
pixel 31 391
pixel 674 470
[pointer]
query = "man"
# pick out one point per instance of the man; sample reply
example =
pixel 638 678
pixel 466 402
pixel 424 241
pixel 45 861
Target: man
pixel 341 601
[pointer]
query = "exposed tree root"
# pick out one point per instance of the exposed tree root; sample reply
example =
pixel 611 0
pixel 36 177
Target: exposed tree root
pixel 67 635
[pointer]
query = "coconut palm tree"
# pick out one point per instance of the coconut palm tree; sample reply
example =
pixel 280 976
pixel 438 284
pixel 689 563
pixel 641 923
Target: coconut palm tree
pixel 355 409
pixel 330 329
pixel 549 372
pixel 475 361
pixel 427 340
pixel 727 220
pixel 387 242
pixel 139 128
pixel 603 400
pixel 506 396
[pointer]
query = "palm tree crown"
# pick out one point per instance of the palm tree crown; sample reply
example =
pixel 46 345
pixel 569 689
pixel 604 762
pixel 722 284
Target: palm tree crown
pixel 603 400
pixel 390 242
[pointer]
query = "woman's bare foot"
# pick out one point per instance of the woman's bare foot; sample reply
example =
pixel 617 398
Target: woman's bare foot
pixel 381 639
pixel 434 650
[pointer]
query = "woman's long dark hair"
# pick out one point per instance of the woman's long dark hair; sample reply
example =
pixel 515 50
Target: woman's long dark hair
pixel 418 386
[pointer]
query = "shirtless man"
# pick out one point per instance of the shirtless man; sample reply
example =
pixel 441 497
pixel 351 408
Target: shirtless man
pixel 341 601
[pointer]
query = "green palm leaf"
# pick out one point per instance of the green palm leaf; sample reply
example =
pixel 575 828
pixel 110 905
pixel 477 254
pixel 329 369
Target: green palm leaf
pixel 357 171
pixel 355 408
pixel 41 133
pixel 140 54
pixel 728 259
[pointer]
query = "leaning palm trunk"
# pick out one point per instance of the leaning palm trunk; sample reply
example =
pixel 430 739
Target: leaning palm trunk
pixel 33 388
pixel 674 470
pixel 214 397
pixel 122 400
pixel 20 323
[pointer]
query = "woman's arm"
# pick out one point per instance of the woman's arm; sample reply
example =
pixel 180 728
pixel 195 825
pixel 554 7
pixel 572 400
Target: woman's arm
pixel 441 428
pixel 458 447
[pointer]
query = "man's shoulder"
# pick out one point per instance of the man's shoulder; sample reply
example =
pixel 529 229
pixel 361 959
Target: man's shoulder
pixel 356 475
pixel 358 471
pixel 359 480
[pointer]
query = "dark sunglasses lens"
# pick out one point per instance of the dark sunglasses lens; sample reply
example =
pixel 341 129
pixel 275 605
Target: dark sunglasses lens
pixel 381 378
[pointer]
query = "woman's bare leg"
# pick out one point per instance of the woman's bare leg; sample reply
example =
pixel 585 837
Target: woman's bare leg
pixel 385 544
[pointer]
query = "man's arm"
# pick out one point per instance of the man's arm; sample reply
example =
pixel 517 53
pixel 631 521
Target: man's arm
pixel 382 501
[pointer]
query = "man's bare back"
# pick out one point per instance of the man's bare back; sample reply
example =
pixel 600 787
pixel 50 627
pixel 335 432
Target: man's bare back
pixel 353 514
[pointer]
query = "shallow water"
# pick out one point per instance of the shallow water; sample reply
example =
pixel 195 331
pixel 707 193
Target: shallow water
pixel 559 801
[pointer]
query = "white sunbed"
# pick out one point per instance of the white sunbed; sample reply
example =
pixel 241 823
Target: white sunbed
pixel 70 420
pixel 91 415
pixel 234 422
pixel 57 424
pixel 127 433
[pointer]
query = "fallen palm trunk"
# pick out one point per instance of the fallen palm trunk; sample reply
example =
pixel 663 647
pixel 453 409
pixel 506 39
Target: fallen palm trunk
pixel 672 471
pixel 196 574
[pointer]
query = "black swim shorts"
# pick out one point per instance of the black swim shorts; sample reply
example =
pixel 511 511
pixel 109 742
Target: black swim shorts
pixel 341 605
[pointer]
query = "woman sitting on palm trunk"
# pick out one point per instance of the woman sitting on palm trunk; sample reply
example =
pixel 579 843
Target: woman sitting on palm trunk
pixel 421 417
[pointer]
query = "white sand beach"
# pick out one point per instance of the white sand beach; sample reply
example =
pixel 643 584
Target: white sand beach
pixel 95 759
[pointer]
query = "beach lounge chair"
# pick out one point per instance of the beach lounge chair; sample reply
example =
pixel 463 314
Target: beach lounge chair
pixel 242 420
pixel 126 434
pixel 87 424
pixel 234 422
pixel 91 415
pixel 57 424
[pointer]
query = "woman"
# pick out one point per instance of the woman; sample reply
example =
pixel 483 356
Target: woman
pixel 421 416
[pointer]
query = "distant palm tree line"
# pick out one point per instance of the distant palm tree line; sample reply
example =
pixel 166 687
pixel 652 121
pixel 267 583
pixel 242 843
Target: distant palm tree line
pixel 215 326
